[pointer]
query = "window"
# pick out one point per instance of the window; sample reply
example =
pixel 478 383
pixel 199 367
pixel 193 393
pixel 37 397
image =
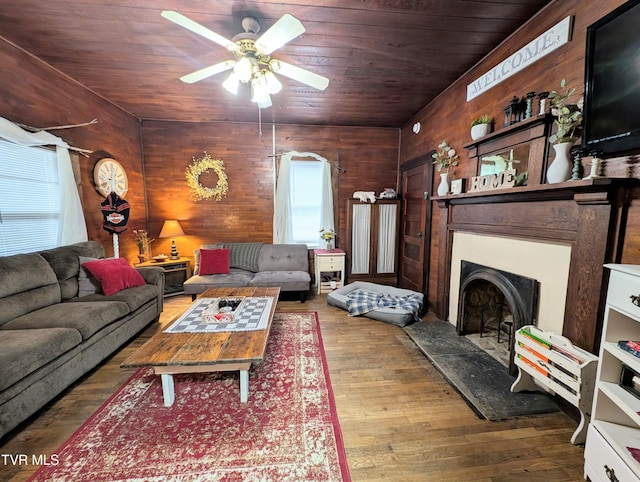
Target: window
pixel 29 198
pixel 303 200
pixel 306 201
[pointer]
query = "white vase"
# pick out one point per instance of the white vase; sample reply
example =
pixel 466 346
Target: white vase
pixel 560 169
pixel 443 187
pixel 480 130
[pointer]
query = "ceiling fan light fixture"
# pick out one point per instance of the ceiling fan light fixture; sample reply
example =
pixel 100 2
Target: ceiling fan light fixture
pixel 265 103
pixel 231 84
pixel 254 63
pixel 243 69
pixel 259 89
pixel 273 84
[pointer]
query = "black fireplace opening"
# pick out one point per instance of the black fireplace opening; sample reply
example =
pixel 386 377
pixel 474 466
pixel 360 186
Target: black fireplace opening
pixel 492 299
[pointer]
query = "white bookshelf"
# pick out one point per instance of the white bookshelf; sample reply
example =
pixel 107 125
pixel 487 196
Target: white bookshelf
pixel 615 417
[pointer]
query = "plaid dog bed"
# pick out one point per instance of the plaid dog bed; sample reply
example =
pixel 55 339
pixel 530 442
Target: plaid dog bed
pixel 361 301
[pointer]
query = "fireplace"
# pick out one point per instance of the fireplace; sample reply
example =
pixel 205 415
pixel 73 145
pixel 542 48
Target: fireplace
pixel 494 299
pixel 587 217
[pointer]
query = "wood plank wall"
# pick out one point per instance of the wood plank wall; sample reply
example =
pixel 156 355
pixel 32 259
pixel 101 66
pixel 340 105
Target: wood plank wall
pixel 364 159
pixel 34 94
pixel 450 115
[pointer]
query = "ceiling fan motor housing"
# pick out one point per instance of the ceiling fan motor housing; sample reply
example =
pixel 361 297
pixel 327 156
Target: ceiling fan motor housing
pixel 250 25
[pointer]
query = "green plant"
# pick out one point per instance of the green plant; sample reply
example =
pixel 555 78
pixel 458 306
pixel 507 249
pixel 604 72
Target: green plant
pixel 483 119
pixel 567 116
pixel 444 157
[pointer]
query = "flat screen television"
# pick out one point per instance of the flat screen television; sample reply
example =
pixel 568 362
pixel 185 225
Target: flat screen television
pixel 612 83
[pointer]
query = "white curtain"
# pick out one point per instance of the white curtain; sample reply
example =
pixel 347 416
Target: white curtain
pixel 387 221
pixel 282 227
pixel 360 238
pixel 73 228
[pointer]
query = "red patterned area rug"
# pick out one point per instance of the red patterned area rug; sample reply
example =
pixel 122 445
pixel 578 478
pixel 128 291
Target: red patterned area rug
pixel 288 430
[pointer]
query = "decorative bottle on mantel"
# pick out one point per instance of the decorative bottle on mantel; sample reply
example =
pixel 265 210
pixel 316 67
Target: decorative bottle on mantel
pixel 560 169
pixel 443 187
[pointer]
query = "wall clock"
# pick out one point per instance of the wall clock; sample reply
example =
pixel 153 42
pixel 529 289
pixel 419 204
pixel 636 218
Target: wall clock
pixel 109 176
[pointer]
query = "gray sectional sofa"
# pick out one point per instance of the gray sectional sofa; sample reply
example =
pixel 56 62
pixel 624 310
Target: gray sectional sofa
pixel 256 264
pixel 49 336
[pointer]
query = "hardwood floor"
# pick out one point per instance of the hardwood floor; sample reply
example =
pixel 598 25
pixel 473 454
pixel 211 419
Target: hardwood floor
pixel 400 420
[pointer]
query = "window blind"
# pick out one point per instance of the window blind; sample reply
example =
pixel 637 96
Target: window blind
pixel 29 198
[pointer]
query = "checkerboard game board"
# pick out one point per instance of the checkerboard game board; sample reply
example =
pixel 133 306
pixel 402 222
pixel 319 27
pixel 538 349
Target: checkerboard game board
pixel 253 316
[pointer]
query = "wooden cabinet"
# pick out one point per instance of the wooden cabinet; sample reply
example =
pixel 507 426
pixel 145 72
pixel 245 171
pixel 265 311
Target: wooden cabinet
pixel 612 450
pixel 176 272
pixel 372 240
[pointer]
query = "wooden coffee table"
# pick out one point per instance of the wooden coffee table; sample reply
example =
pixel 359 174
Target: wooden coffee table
pixel 172 353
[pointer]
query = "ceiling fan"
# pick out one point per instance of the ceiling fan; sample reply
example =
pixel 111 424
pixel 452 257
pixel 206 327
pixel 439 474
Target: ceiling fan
pixel 253 62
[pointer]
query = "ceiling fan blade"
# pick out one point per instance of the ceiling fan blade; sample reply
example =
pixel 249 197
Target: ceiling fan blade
pixel 208 71
pixel 195 27
pixel 301 75
pixel 284 30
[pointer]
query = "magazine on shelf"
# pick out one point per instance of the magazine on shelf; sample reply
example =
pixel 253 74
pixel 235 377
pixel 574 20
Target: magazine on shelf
pixel 566 352
pixel 629 346
pixel 535 338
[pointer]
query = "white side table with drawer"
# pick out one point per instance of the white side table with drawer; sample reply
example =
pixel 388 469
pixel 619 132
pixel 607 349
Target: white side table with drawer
pixel 329 262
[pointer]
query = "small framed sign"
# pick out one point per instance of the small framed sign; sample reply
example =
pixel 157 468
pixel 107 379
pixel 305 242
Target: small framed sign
pixel 457 186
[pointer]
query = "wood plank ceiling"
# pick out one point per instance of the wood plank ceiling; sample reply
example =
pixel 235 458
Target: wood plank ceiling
pixel 386 59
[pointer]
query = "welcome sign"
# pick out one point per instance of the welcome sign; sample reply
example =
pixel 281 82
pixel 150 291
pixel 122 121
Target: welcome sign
pixel 546 43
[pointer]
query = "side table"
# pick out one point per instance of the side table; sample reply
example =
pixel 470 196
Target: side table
pixel 176 272
pixel 328 262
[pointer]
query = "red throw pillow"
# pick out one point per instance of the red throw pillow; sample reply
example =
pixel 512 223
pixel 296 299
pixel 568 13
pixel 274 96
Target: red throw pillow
pixel 214 261
pixel 114 274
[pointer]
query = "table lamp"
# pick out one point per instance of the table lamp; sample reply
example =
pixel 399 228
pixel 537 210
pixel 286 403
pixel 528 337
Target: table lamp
pixel 171 229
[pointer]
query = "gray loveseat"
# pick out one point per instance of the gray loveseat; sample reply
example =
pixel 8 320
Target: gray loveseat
pixel 50 337
pixel 256 264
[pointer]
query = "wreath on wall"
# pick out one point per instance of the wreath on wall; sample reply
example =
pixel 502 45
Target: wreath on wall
pixel 199 167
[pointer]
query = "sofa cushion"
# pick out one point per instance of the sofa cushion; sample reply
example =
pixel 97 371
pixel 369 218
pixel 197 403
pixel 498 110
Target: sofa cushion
pixel 65 263
pixel 87 318
pixel 284 257
pixel 245 255
pixel 114 274
pixel 196 255
pixel 27 283
pixel 214 261
pixel 87 283
pixel 286 280
pixel 134 297
pixel 236 277
pixel 24 351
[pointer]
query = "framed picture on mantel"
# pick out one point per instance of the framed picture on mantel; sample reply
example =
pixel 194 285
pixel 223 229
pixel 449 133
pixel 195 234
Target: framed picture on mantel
pixel 522 147
pixel 457 186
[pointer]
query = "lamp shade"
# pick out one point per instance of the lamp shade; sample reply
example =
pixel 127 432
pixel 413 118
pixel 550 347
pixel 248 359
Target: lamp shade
pixel 171 229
